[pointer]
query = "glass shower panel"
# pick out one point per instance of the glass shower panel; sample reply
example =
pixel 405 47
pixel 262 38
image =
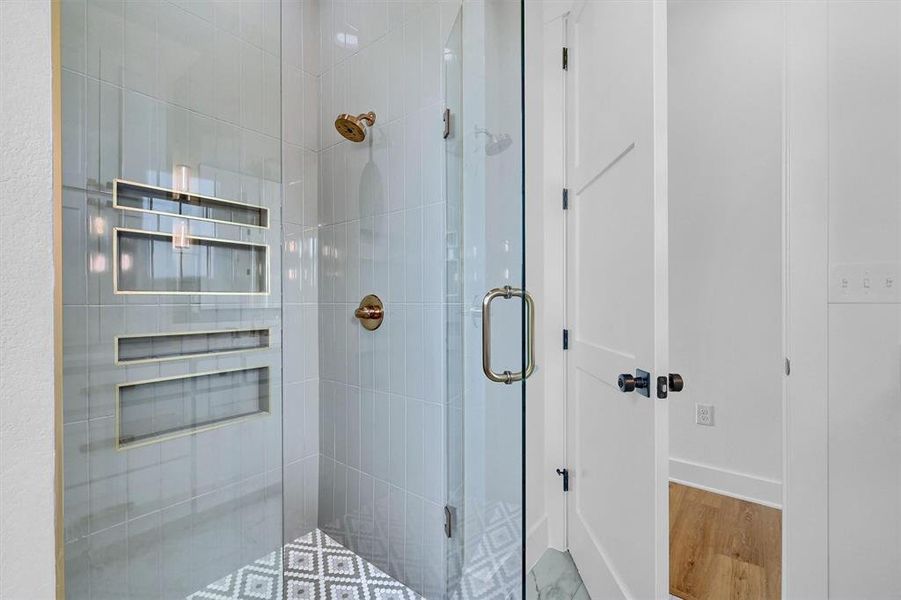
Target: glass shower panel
pixel 453 173
pixel 485 239
pixel 172 292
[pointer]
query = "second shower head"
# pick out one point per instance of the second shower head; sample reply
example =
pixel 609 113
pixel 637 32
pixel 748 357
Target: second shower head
pixel 354 127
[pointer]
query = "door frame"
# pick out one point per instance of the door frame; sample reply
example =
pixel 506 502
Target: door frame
pixel 805 426
pixel 545 272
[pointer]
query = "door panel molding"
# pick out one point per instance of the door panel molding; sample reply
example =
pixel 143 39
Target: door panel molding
pixel 617 296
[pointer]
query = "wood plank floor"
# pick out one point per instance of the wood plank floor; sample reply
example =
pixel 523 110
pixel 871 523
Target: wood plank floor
pixel 723 548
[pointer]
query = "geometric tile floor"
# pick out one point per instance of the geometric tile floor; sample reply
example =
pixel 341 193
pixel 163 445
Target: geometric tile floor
pixel 315 567
pixel 491 566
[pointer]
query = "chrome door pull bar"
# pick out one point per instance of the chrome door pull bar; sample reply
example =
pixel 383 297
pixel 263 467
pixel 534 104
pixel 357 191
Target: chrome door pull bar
pixel 508 292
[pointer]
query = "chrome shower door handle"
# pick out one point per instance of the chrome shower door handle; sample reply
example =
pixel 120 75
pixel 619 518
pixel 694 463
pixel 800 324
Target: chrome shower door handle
pixel 508 292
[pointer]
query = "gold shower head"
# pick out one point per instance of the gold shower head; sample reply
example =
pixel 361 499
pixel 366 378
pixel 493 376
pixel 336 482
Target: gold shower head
pixel 352 127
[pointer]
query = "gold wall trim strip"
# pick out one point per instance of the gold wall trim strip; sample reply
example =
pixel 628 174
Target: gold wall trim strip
pixel 57 177
pixel 117 182
pixel 121 361
pixel 117 265
pixel 187 431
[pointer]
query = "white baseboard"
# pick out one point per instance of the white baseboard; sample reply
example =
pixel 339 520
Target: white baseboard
pixel 729 483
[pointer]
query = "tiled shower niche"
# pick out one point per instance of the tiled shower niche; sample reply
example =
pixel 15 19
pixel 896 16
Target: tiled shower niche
pixel 128 195
pixel 133 349
pixel 164 408
pixel 152 262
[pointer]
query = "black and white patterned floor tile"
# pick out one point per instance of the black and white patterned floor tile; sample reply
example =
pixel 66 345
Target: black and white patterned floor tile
pixel 316 567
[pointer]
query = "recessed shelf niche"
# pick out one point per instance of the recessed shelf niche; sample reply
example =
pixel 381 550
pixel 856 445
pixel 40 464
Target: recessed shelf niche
pixel 160 409
pixel 147 262
pixel 128 195
pixel 155 347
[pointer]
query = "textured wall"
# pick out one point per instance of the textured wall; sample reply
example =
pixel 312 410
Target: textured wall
pixel 27 565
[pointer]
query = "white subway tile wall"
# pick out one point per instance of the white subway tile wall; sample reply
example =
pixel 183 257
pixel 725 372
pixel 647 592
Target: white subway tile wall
pixel 300 159
pixel 381 228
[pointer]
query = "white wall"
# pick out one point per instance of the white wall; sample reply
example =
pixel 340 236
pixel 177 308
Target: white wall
pixel 864 233
pixel 27 564
pixel 725 95
pixel 843 485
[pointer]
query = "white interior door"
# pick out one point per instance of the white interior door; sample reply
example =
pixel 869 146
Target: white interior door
pixel 617 442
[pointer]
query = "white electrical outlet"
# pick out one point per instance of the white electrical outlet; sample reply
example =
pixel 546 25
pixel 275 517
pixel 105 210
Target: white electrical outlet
pixel 704 414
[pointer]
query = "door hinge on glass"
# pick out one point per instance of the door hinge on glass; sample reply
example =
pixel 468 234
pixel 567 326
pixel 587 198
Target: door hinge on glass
pixel 565 198
pixel 564 472
pixel 448 520
pixel 565 58
pixel 788 366
pixel 446 118
pixel 566 339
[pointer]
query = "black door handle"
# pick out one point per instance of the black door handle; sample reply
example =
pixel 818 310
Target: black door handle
pixel 639 382
pixel 626 382
pixel 676 383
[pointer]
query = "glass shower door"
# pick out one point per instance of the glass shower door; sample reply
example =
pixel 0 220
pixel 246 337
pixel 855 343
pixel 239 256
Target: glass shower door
pixel 486 357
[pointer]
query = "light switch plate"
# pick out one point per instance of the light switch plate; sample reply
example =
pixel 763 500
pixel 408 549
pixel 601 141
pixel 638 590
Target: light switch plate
pixel 863 283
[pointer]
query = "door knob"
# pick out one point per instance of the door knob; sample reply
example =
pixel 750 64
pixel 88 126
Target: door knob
pixel 626 383
pixel 630 383
pixel 676 383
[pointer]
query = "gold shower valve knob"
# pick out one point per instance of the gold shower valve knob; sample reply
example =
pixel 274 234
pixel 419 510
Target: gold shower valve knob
pixel 371 312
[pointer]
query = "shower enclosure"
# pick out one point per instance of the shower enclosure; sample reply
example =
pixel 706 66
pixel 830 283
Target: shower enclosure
pixel 231 429
pixel 185 348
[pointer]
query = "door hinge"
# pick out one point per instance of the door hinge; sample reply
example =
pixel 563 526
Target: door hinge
pixel 566 339
pixel 565 198
pixel 565 58
pixel 564 472
pixel 788 366
pixel 447 119
pixel 448 521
